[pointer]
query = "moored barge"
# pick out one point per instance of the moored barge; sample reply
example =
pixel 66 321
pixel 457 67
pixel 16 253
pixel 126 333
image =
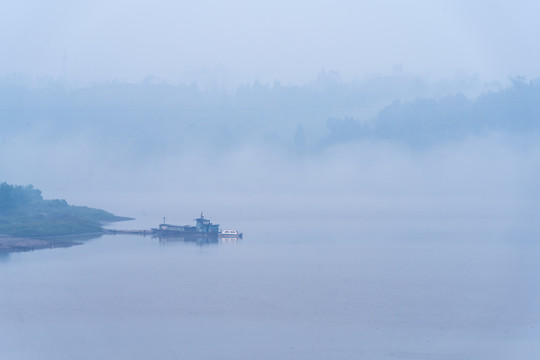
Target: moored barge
pixel 203 229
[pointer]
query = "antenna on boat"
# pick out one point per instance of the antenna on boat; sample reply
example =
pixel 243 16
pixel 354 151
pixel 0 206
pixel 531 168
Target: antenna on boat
pixel 164 219
pixel 202 217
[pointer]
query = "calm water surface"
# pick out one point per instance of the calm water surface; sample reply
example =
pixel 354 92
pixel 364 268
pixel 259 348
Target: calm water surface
pixel 444 289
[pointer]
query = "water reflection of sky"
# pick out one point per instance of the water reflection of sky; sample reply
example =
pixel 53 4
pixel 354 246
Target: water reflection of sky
pixel 455 289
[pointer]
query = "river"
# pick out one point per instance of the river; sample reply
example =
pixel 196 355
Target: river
pixel 384 288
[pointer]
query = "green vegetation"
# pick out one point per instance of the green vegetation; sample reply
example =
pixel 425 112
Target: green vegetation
pixel 24 213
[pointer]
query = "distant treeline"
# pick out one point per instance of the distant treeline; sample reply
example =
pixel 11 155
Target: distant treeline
pixel 24 213
pixel 514 111
pixel 150 119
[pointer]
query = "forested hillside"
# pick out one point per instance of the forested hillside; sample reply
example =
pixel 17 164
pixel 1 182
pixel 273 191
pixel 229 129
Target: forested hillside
pixel 24 212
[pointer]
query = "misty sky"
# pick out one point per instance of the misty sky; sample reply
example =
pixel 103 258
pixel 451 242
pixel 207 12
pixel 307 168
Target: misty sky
pixel 231 42
pixel 451 147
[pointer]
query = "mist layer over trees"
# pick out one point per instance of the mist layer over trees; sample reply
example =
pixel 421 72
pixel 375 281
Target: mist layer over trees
pixel 395 136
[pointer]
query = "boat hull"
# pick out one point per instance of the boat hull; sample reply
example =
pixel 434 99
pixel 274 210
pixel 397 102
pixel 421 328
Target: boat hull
pixel 226 236
pixel 185 234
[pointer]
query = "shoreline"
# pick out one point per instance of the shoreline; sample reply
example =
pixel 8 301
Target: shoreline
pixel 12 244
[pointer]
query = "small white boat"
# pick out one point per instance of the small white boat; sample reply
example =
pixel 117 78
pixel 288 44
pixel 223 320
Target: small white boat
pixel 230 233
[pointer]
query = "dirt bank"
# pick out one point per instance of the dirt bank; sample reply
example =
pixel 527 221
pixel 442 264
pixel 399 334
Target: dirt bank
pixel 15 244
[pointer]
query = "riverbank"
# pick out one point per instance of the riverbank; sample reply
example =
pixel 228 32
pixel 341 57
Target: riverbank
pixel 10 244
pixel 29 222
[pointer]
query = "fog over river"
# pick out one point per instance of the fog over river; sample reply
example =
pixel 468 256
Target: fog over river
pixel 381 158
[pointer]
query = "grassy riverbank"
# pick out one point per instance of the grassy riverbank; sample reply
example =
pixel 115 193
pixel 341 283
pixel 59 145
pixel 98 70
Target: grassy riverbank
pixel 25 214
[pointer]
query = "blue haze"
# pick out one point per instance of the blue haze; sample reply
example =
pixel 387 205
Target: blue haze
pixel 390 203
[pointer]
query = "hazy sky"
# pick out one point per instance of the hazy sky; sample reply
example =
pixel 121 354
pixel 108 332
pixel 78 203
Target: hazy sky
pixel 291 41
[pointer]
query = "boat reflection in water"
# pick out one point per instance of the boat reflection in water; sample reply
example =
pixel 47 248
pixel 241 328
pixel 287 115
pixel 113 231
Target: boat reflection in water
pixel 230 240
pixel 197 240
pixel 200 241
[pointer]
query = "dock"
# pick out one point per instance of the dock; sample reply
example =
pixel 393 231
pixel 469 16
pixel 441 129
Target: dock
pixel 130 232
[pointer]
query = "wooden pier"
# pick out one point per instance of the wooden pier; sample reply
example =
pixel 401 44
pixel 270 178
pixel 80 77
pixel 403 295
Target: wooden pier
pixel 130 232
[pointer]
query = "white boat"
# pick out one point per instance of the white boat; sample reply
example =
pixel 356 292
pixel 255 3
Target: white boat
pixel 230 233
